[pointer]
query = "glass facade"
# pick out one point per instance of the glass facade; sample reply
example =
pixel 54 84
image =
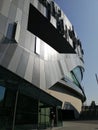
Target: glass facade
pixel 7 106
pixel 21 107
pixel 77 75
pixel 44 119
pixel 26 112
pixel 37 47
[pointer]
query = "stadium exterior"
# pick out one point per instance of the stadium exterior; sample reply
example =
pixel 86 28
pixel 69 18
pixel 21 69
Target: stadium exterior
pixel 41 65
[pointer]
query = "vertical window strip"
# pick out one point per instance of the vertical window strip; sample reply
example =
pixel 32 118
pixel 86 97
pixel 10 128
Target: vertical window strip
pixel 37 46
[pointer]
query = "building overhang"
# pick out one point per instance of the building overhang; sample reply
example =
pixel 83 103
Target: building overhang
pixel 63 87
pixel 42 28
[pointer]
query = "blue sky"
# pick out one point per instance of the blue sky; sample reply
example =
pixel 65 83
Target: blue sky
pixel 83 14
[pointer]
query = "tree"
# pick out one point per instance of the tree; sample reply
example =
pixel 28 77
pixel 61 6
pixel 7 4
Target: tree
pixel 93 104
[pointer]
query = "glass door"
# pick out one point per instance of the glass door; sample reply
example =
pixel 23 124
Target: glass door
pixel 44 111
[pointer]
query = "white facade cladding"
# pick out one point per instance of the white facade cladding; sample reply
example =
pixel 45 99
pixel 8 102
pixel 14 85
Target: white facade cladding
pixel 38 44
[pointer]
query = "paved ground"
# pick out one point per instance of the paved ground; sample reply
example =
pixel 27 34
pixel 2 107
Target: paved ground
pixel 78 125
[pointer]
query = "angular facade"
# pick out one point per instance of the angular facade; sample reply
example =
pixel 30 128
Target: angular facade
pixel 41 65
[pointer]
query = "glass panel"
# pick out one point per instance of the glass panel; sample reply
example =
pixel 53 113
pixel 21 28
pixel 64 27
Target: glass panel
pixel 77 73
pixel 44 118
pixel 7 103
pixel 11 31
pixel 2 91
pixel 59 118
pixel 47 116
pixel 37 46
pixel 74 79
pixel 26 113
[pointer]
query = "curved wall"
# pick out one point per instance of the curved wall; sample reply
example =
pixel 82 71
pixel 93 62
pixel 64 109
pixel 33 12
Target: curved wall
pixel 75 102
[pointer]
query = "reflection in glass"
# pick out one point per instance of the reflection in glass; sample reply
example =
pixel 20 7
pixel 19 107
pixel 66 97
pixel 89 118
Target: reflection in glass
pixel 2 91
pixel 77 73
pixel 26 113
pixel 44 111
pixel 22 112
pixel 37 46
pixel 7 102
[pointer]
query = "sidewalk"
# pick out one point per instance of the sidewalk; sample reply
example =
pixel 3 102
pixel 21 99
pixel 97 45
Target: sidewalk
pixel 77 125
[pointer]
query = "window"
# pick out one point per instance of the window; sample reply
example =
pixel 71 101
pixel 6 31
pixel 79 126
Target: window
pixel 37 46
pixel 77 74
pixel 27 111
pixel 13 32
pixel 7 105
pixel 2 91
pixel 17 34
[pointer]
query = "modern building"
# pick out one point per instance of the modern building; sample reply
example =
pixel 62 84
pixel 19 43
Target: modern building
pixel 41 65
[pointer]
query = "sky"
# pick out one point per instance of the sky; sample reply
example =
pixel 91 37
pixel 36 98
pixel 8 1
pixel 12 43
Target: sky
pixel 83 14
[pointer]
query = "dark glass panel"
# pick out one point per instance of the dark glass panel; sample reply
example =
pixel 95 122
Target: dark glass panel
pixel 59 117
pixel 77 73
pixel 26 113
pixel 7 103
pixel 2 91
pixel 44 114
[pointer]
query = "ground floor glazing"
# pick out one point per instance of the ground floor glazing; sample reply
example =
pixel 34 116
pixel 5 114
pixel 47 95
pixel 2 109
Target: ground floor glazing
pixel 23 106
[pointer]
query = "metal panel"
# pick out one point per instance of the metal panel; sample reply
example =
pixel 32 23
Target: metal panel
pixel 8 55
pixel 3 22
pixel 63 67
pixel 73 61
pixel 1 5
pixel 42 48
pixel 22 64
pixel 22 37
pixel 24 21
pixel 42 75
pixel 1 37
pixel 21 4
pixel 29 69
pixel 39 6
pixel 35 3
pixel 12 12
pixel 15 59
pixel 71 85
pixel 47 75
pixel 29 42
pixel 26 6
pixel 4 7
pixel 36 72
pixel 3 49
pixel 18 15
pixel 53 21
pixel 52 73
pixel 15 2
pixel 58 70
pixel 17 33
pixel 32 46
